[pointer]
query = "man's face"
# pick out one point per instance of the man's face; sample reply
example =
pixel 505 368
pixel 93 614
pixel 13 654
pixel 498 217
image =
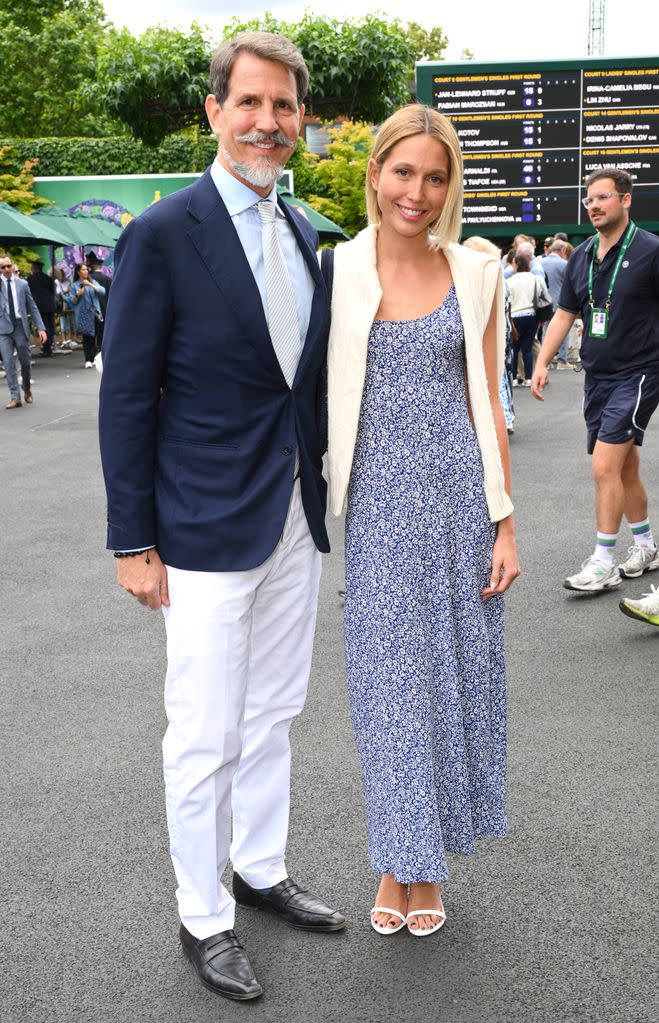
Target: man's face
pixel 6 268
pixel 258 124
pixel 608 209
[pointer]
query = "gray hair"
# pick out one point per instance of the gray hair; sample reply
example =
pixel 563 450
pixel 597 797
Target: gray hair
pixel 265 45
pixel 526 248
pixel 558 246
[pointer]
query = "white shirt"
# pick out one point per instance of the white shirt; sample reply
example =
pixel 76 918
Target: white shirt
pixel 13 293
pixel 241 202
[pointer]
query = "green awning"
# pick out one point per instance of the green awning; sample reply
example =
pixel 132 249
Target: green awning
pixel 17 228
pixel 327 229
pixel 81 229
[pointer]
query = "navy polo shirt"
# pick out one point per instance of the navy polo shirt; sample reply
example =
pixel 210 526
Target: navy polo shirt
pixel 632 344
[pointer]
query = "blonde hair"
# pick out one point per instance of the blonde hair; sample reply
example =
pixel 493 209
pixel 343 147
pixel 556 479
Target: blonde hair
pixel 417 119
pixel 482 245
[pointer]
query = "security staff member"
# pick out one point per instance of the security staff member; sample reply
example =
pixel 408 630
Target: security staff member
pixel 612 282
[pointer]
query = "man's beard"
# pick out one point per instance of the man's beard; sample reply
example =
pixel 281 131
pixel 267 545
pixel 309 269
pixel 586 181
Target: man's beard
pixel 265 171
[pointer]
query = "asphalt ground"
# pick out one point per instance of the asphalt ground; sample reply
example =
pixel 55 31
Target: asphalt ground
pixel 555 923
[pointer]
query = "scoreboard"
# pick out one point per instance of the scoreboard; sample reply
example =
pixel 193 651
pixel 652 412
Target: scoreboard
pixel 531 134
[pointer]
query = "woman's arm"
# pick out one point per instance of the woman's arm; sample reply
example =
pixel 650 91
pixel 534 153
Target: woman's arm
pixel 505 565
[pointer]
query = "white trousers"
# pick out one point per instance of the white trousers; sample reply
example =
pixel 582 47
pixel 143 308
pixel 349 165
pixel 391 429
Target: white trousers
pixel 239 648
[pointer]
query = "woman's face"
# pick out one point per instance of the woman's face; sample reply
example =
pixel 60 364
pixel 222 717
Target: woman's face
pixel 83 273
pixel 411 184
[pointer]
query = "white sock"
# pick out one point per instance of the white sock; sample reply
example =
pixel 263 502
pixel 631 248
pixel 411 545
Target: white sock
pixel 642 533
pixel 605 547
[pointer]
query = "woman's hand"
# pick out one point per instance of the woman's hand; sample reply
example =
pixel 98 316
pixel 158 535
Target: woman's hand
pixel 505 564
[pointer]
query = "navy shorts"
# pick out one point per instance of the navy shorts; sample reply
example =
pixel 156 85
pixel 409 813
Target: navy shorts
pixel 617 410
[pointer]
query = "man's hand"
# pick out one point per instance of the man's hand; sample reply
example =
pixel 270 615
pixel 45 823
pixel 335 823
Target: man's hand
pixel 145 576
pixel 42 336
pixel 539 380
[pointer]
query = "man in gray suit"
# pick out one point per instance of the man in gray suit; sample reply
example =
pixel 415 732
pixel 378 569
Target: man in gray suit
pixel 15 303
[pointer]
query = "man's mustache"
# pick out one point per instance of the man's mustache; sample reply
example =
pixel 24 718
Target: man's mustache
pixel 254 137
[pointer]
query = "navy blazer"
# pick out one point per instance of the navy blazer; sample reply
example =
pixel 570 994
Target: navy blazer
pixel 198 426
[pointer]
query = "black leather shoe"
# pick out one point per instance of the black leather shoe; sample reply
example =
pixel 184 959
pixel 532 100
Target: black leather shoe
pixel 222 964
pixel 292 904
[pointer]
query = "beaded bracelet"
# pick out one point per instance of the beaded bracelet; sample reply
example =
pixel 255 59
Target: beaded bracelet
pixel 133 554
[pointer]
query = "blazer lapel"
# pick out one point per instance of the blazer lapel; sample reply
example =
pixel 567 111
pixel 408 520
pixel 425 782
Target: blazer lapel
pixel 217 242
pixel 320 301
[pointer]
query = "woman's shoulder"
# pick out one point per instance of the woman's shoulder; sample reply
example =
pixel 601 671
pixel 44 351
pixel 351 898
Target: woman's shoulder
pixel 480 268
pixel 362 243
pixel 469 256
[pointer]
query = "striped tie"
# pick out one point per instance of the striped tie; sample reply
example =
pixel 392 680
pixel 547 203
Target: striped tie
pixel 282 312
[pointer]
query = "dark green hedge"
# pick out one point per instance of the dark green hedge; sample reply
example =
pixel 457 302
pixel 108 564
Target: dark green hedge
pixel 57 157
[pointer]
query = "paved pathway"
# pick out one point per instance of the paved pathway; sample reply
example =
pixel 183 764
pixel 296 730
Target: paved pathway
pixel 555 924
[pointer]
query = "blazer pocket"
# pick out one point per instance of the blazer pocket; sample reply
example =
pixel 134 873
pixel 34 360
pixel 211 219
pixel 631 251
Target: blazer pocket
pixel 206 476
pixel 187 442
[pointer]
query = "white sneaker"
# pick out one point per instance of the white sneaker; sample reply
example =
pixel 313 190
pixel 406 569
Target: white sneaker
pixel 594 577
pixel 89 365
pixel 641 559
pixel 527 383
pixel 646 609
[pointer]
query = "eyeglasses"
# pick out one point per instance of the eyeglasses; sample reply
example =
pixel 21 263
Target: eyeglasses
pixel 602 197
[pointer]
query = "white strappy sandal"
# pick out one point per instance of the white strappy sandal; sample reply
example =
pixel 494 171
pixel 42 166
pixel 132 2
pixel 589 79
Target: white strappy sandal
pixel 422 932
pixel 392 912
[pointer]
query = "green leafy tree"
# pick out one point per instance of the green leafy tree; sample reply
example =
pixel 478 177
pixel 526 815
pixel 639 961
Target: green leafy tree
pixel 17 182
pixel 17 189
pixel 358 69
pixel 425 44
pixel 32 14
pixel 156 83
pixel 344 174
pixel 47 54
pixel 306 177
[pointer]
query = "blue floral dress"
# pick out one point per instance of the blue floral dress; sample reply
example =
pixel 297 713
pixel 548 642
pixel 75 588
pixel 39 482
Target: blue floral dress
pixel 424 652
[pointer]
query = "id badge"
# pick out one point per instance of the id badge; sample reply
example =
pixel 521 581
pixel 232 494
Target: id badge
pixel 599 323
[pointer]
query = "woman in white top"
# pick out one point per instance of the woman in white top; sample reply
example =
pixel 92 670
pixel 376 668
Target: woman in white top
pixel 522 286
pixel 430 544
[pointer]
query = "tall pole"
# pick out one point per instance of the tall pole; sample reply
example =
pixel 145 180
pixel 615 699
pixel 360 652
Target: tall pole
pixel 596 28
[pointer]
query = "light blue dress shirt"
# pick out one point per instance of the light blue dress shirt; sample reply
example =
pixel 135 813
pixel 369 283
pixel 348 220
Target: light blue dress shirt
pixel 240 201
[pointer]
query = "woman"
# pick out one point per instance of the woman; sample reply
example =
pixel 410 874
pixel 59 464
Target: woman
pixel 523 285
pixel 430 542
pixel 62 289
pixel 84 299
pixel 505 392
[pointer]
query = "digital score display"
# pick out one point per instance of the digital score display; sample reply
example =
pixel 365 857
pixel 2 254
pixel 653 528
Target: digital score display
pixel 531 137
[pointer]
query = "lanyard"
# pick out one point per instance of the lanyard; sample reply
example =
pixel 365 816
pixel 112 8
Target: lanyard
pixel 629 234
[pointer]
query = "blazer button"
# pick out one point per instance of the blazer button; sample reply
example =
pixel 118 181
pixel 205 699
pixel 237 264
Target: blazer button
pixel 286 450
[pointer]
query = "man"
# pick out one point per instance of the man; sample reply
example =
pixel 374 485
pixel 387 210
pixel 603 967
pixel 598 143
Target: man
pixel 43 292
pixel 95 263
pixel 212 438
pixel 524 245
pixel 554 264
pixel 612 282
pixel 15 303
